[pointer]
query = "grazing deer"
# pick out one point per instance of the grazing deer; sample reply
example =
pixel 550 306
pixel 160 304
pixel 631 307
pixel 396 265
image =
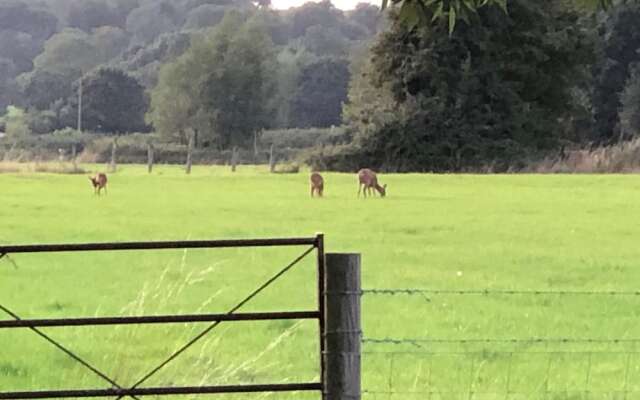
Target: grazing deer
pixel 99 182
pixel 368 179
pixel 317 184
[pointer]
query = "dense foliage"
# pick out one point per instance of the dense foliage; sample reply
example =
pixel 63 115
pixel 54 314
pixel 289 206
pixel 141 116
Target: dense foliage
pixel 438 85
pixel 619 52
pixel 46 47
pixel 491 93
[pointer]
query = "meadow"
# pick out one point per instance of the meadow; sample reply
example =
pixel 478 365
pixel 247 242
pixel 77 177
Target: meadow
pixel 440 232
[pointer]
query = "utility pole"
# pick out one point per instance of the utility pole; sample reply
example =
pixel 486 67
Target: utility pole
pixel 80 105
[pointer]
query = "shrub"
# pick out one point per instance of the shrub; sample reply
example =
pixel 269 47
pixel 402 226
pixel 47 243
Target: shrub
pixel 304 138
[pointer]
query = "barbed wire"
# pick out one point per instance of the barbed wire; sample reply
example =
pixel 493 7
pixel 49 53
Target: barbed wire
pixel 422 292
pixel 497 393
pixel 419 342
pixel 425 385
pixel 502 352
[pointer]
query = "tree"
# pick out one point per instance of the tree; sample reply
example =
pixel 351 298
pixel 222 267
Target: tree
pixel 366 15
pixel 277 24
pixel 491 92
pixel 90 14
pixel 42 88
pixel 207 15
pixel 240 83
pixel 144 62
pixel 177 107
pixel 113 102
pixel 20 48
pixel 424 12
pixel 322 13
pixel 290 62
pixel 323 41
pixel 9 92
pixel 151 20
pixel 175 103
pixel 16 15
pixel 322 88
pixel 68 53
pixel 621 41
pixel 109 41
pixel 17 126
pixel 630 99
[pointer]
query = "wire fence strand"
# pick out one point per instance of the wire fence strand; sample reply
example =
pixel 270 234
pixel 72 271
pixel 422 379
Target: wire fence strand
pixel 417 342
pixel 487 292
pixel 539 367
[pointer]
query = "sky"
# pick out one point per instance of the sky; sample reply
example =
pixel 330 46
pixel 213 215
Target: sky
pixel 343 4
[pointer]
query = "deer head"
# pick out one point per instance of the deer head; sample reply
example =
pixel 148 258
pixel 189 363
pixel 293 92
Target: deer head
pixel 382 190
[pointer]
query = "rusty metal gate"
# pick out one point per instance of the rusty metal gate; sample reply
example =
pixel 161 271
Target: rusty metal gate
pixel 313 244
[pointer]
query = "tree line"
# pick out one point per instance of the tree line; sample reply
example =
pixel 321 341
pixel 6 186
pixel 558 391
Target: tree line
pixel 117 48
pixel 423 86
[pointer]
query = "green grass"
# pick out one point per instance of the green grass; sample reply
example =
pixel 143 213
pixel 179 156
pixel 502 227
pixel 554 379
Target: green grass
pixel 457 232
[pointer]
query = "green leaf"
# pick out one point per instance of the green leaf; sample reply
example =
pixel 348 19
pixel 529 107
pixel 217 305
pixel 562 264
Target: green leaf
pixel 410 14
pixel 452 20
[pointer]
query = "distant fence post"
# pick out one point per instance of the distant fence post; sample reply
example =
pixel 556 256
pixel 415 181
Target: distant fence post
pixel 342 332
pixel 272 160
pixel 74 157
pixel 189 153
pixel 234 158
pixel 114 148
pixel 149 157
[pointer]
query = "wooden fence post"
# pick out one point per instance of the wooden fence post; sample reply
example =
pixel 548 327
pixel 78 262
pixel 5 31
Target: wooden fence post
pixel 189 153
pixel 234 158
pixel 272 160
pixel 149 157
pixel 74 157
pixel 114 148
pixel 342 332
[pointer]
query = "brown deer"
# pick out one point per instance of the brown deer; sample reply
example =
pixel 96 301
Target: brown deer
pixel 317 184
pixel 368 179
pixel 99 182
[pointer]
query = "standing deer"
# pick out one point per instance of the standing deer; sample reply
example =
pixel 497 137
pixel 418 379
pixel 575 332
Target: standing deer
pixel 317 184
pixel 368 179
pixel 99 182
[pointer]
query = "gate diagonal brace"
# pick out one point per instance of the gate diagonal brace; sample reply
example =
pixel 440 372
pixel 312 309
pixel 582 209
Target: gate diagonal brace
pixel 68 352
pixel 215 324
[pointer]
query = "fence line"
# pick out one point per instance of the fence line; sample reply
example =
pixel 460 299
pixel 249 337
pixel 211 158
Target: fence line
pixel 418 341
pixel 497 352
pixel 504 385
pixel 420 366
pixel 487 292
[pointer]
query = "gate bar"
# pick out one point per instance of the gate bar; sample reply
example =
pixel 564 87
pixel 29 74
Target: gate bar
pixel 160 391
pixel 159 319
pixel 188 244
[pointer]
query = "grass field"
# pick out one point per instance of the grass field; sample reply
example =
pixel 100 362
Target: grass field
pixel 459 232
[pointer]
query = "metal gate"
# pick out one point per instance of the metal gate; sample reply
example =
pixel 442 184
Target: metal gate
pixel 312 244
